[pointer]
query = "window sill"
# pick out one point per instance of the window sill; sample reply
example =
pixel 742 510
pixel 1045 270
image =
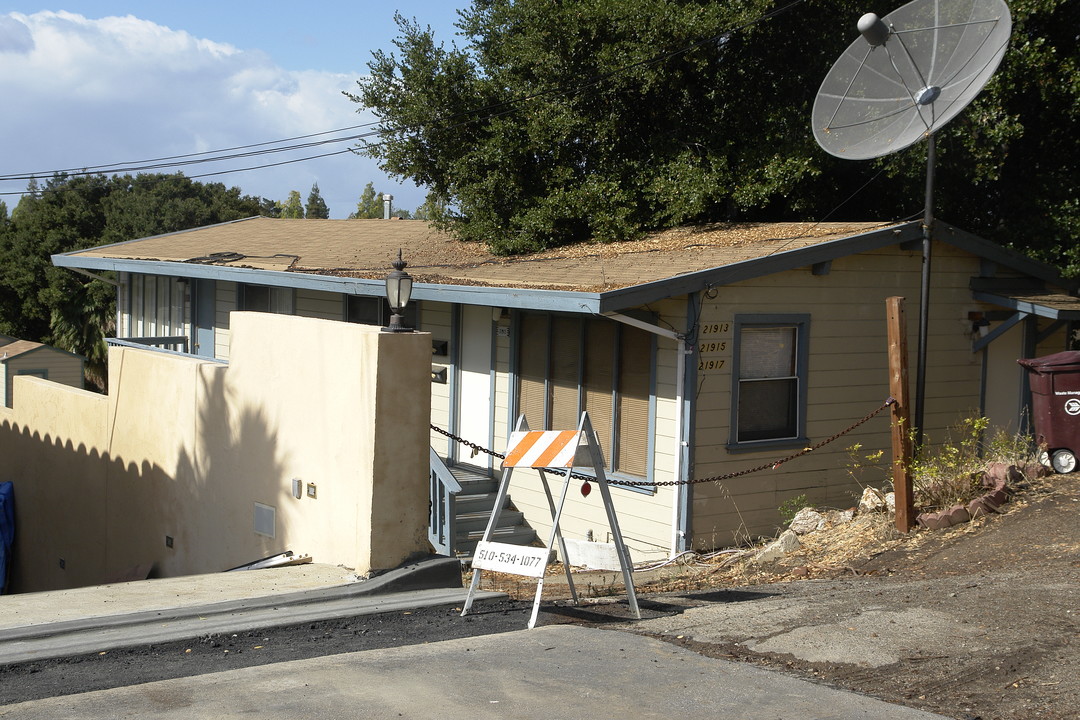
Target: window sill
pixel 613 481
pixel 758 445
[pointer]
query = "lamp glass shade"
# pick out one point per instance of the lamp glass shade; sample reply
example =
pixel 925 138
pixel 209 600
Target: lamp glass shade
pixel 398 289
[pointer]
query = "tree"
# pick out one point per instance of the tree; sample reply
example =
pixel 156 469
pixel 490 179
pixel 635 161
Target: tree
pixel 41 302
pixel 316 206
pixel 370 204
pixel 292 208
pixel 653 113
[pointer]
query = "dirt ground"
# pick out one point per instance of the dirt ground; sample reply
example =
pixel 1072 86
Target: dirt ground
pixel 978 621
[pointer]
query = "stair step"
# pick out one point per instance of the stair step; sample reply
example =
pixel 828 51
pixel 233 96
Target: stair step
pixel 516 535
pixel 478 486
pixel 479 502
pixel 471 521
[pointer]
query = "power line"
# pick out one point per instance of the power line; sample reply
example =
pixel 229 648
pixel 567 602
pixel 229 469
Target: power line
pixel 482 114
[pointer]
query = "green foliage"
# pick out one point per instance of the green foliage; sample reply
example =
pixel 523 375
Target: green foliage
pixel 791 507
pixel 650 113
pixel 292 208
pixel 370 204
pixel 949 472
pixel 316 206
pixel 49 304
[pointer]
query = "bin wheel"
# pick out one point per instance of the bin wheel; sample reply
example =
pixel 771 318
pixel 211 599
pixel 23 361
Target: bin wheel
pixel 1063 461
pixel 1044 458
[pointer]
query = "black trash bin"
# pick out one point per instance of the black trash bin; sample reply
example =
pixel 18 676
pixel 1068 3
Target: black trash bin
pixel 1055 406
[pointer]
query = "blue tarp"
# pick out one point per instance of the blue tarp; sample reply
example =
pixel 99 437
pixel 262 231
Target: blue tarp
pixel 7 530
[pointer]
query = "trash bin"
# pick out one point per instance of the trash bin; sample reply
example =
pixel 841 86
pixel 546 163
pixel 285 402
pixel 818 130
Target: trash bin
pixel 1055 406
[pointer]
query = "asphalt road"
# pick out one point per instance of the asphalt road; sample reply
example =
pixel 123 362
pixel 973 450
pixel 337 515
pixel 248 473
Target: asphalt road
pixel 220 652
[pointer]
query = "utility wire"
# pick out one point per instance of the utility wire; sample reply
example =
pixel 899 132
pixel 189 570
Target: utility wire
pixel 485 113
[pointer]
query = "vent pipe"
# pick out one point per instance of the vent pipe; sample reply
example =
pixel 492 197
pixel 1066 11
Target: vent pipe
pixel 387 199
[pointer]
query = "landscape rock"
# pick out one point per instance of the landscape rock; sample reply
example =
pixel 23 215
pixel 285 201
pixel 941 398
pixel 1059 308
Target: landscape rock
pixel 787 542
pixel 839 517
pixel 871 501
pixel 807 520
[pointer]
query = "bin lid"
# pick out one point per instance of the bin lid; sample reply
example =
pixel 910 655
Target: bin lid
pixel 1068 361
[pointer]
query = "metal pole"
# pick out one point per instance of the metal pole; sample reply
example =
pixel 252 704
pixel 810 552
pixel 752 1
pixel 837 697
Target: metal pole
pixel 924 292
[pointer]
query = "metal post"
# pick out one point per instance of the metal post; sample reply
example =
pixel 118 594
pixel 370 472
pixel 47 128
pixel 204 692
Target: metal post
pixel 924 291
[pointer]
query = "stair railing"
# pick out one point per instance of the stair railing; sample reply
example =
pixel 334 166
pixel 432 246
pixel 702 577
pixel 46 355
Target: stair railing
pixel 444 489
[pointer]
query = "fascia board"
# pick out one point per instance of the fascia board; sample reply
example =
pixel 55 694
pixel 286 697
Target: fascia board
pixel 1026 306
pixel 981 247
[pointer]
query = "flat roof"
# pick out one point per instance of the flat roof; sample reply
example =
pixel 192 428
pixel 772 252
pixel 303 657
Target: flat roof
pixel 354 256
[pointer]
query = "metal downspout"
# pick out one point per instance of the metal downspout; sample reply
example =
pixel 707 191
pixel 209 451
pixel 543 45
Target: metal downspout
pixel 678 538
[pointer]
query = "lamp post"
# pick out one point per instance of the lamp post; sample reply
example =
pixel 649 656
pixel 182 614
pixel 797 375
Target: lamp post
pixel 398 291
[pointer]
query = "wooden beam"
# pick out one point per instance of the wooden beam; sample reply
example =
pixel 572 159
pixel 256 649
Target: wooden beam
pixel 901 425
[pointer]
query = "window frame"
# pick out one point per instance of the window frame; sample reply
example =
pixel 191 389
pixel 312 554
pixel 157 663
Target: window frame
pixel 287 293
pixel 801 323
pixel 609 434
pixel 411 315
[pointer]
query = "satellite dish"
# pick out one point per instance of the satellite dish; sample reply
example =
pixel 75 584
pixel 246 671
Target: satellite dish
pixel 908 74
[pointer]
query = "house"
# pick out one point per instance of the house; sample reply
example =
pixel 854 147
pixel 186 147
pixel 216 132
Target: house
pixel 25 357
pixel 697 352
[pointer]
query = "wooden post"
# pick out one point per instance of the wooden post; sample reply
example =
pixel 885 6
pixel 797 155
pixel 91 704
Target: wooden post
pixel 901 426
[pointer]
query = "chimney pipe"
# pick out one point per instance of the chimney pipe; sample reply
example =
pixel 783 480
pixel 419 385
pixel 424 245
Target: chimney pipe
pixel 386 200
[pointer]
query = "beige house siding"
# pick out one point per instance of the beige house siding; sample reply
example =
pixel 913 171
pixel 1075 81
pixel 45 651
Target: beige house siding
pixel 225 302
pixel 847 378
pixel 52 364
pixel 436 318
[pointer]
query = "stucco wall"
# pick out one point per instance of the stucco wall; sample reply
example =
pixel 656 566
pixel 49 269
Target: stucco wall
pixel 184 449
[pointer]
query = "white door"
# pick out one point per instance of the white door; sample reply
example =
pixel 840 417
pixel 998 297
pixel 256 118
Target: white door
pixel 474 383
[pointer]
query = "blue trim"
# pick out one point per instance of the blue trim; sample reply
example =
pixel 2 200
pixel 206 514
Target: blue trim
pixel 453 358
pixel 685 530
pixel 801 321
pixel 42 373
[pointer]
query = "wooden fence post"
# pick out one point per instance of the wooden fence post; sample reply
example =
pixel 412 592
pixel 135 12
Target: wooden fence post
pixel 901 426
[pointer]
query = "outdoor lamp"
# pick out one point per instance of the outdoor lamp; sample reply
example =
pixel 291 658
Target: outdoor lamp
pixel 398 291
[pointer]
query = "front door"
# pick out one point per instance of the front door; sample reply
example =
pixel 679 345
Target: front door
pixel 474 409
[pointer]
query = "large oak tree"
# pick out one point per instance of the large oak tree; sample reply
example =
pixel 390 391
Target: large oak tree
pixel 556 122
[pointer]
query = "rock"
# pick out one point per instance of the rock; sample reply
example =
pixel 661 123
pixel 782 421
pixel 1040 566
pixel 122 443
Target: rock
pixel 787 542
pixel 890 502
pixel 800 571
pixel 807 520
pixel 839 517
pixel 871 501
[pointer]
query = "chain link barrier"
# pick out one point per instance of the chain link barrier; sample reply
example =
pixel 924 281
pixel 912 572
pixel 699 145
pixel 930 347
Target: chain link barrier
pixel 715 478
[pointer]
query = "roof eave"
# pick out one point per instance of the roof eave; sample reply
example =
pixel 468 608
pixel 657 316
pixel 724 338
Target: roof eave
pixel 757 267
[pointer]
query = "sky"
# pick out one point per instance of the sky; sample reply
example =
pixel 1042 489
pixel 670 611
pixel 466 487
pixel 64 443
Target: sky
pixel 95 83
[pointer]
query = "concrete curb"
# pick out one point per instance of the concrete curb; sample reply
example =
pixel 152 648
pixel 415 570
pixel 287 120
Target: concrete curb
pixel 431 573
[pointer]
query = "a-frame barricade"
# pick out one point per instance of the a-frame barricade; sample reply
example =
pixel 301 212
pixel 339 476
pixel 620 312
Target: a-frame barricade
pixel 548 451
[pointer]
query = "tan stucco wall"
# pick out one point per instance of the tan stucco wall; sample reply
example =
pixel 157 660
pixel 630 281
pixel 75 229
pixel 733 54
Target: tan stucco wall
pixel 184 448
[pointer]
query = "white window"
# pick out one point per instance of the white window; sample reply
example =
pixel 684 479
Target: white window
pixel 769 378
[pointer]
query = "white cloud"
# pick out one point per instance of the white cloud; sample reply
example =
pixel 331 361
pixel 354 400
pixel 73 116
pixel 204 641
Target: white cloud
pixel 82 92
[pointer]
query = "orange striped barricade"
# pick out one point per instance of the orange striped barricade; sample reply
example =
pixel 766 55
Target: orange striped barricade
pixel 547 450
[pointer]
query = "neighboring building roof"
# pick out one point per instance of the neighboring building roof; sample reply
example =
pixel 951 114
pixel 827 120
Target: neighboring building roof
pixel 353 256
pixel 19 347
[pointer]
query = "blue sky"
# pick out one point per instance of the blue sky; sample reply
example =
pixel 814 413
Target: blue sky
pixel 89 83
